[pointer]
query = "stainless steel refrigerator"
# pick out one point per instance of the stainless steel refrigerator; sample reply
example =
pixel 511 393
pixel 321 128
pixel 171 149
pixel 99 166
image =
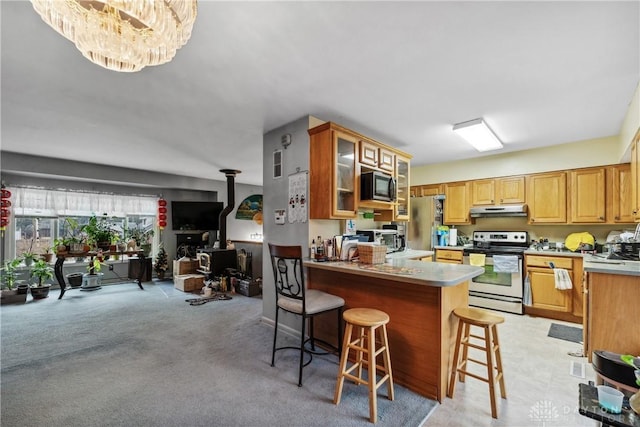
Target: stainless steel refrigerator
pixel 426 216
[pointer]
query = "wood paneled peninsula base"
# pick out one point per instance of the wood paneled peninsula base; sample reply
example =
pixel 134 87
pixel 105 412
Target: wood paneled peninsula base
pixel 419 298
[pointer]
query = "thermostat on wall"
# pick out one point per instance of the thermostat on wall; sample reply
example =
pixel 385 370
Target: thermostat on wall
pixel 280 216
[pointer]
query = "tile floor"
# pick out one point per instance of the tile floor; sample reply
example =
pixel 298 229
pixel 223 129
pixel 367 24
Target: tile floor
pixel 540 389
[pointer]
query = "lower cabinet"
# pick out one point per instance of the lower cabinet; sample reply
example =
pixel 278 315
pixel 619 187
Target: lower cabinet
pixel 544 294
pixel 449 256
pixel 546 300
pixel 611 308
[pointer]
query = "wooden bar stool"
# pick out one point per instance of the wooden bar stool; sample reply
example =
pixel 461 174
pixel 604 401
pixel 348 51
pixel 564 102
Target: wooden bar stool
pixel 367 321
pixel 468 317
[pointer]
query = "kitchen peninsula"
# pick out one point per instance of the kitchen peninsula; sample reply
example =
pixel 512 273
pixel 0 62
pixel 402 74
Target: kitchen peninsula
pixel 419 298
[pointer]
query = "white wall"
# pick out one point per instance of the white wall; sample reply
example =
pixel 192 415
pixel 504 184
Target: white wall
pixel 276 196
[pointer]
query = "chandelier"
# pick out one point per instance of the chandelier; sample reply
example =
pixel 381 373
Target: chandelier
pixel 122 35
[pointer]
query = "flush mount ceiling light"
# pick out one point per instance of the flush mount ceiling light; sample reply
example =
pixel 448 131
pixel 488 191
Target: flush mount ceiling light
pixel 478 134
pixel 122 35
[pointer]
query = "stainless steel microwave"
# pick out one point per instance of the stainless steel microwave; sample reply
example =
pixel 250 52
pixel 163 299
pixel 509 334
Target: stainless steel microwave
pixel 377 186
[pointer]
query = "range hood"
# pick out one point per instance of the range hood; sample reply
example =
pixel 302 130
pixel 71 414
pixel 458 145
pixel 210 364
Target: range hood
pixel 498 211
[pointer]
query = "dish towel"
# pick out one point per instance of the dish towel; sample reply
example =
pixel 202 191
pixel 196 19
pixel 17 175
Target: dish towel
pixel 505 264
pixel 563 280
pixel 526 298
pixel 477 259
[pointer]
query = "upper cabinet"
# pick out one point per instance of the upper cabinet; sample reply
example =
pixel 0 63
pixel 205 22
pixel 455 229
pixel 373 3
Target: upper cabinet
pixel 547 197
pixel 456 206
pixel 587 191
pixel 337 158
pixel 333 189
pixel 377 157
pixel 619 194
pixel 499 191
pixel 635 177
pixel 427 190
pixel 402 189
pixel 510 190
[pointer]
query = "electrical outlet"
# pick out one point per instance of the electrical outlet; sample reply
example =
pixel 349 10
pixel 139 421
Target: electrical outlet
pixel 110 267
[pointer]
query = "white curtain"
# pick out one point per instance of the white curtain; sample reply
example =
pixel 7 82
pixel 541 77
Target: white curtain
pixel 52 203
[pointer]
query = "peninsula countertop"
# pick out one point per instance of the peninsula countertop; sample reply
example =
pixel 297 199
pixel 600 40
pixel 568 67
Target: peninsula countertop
pixel 410 254
pixel 433 274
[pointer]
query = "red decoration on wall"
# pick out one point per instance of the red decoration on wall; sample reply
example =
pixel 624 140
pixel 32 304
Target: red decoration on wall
pixel 162 210
pixel 5 203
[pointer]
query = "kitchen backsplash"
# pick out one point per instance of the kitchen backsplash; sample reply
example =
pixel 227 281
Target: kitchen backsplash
pixel 554 233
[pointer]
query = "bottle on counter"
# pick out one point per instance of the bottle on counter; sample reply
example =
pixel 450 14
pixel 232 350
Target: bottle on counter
pixel 312 249
pixel 320 248
pixel 329 249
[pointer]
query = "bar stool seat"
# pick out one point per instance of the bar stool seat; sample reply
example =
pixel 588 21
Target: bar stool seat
pixel 469 316
pixel 367 322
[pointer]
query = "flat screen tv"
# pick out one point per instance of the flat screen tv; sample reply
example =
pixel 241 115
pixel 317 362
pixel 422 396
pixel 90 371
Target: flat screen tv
pixel 195 215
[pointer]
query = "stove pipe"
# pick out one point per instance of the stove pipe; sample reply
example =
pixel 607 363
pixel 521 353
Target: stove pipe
pixel 231 201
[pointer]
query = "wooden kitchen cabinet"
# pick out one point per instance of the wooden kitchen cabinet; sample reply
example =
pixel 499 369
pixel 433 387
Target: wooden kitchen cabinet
pixel 333 181
pixel 483 192
pixel 619 194
pixel 547 301
pixel 377 157
pixel 456 207
pixel 427 190
pixel 449 256
pixel 402 189
pixel 611 313
pixel 587 195
pixel 635 177
pixel 547 197
pixel 498 191
pixel 511 190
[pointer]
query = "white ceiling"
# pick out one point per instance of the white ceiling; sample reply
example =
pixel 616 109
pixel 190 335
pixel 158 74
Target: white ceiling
pixel 540 73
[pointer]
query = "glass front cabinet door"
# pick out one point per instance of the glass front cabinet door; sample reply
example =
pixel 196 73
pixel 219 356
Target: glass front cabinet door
pixel 402 189
pixel 344 198
pixel 332 173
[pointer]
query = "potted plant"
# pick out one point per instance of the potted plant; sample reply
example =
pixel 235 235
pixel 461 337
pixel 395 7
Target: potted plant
pixel 99 232
pixel 48 254
pixel 93 278
pixel 143 238
pixel 42 272
pixel 74 235
pixel 161 264
pixel 12 292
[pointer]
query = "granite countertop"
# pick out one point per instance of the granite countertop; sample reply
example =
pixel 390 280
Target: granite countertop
pixel 409 254
pixel 600 264
pixel 405 270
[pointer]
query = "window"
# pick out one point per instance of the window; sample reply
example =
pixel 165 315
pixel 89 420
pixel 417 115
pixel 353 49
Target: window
pixel 39 216
pixel 34 235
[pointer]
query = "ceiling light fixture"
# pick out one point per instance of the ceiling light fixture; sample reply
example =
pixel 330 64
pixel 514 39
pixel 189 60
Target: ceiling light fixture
pixel 478 134
pixel 122 35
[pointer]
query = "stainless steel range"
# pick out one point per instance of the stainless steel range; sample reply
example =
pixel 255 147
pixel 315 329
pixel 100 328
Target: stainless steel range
pixel 501 253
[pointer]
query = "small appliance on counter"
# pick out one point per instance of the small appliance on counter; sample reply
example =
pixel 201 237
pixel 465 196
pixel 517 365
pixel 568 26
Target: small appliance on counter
pixel 389 238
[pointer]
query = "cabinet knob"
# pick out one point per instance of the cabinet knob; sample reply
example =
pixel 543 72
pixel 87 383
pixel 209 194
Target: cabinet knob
pixel 617 218
pixel 601 219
